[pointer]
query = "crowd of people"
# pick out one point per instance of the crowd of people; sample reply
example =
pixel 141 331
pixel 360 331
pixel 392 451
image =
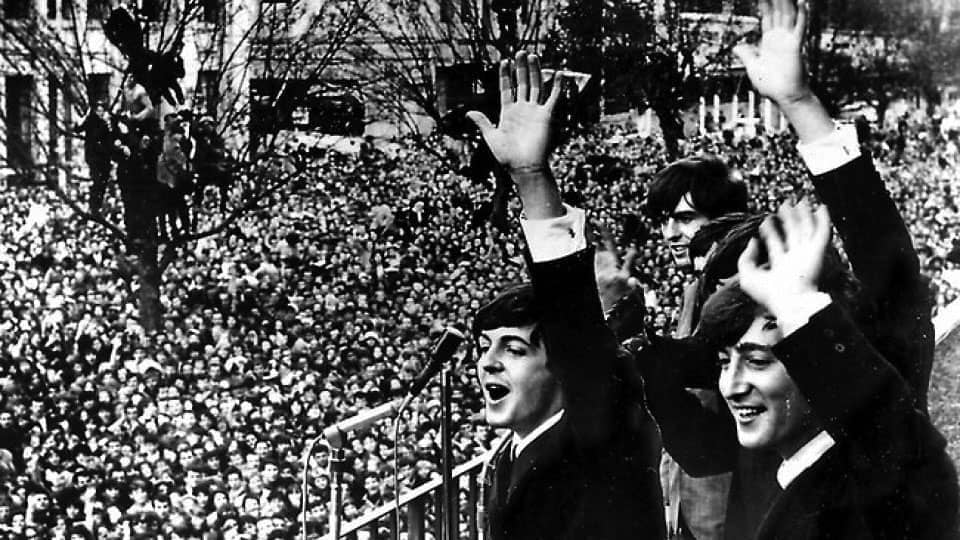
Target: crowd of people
pixel 294 320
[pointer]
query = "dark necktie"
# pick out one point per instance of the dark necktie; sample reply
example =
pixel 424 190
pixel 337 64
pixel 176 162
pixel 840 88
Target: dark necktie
pixel 504 468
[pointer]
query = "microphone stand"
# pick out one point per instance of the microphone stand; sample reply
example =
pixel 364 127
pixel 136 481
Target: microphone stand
pixel 336 494
pixel 447 492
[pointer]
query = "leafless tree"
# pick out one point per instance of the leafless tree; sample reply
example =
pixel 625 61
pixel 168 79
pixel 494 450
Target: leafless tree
pixel 63 54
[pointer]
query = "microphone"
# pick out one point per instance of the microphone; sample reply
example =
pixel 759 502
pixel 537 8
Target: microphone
pixel 336 434
pixel 442 351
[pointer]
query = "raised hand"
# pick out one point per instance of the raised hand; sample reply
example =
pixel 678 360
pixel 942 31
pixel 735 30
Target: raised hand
pixel 613 277
pixel 775 66
pixel 796 257
pixel 522 139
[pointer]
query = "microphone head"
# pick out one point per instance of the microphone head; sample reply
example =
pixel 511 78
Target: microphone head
pixel 447 344
pixel 442 352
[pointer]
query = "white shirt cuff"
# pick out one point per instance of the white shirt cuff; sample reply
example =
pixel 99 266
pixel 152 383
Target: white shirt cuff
pixel 831 152
pixel 797 311
pixel 555 238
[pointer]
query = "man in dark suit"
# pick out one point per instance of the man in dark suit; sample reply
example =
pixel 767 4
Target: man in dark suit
pixel 888 298
pixel 859 460
pixel 98 150
pixel 580 458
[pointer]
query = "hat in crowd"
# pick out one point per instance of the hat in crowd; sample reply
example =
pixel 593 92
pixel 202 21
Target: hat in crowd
pixel 6 461
pixel 149 364
pixel 81 531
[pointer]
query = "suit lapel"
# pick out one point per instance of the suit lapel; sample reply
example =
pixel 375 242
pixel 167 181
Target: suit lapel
pixel 540 454
pixel 798 508
pixel 499 481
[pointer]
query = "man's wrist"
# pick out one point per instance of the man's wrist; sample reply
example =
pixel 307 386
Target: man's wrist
pixel 800 96
pixel 794 310
pixel 529 172
pixel 806 114
pixel 538 192
pixel 797 102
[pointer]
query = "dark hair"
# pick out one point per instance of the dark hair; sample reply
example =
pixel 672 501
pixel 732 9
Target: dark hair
pixel 729 234
pixel 706 178
pixel 719 230
pixel 514 307
pixel 729 312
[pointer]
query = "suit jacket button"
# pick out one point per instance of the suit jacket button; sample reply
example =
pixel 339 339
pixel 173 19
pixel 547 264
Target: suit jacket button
pixel 839 347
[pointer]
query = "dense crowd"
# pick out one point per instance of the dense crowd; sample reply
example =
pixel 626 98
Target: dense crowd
pixel 298 318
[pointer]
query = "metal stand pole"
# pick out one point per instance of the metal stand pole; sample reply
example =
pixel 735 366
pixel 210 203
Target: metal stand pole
pixel 336 494
pixel 447 491
pixel 306 484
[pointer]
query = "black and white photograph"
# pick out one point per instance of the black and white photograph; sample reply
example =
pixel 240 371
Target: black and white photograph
pixel 479 269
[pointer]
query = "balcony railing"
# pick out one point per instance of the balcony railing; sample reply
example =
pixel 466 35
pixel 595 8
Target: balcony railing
pixel 422 508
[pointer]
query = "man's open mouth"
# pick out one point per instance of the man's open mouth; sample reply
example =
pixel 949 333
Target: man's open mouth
pixel 745 414
pixel 496 391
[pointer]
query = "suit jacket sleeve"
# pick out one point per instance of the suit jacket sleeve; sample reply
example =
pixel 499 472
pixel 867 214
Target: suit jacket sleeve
pixel 883 259
pixel 668 367
pixel 580 347
pixel 859 397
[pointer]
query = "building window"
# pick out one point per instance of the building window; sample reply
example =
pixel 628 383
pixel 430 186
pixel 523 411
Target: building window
pixel 211 11
pixel 701 6
pixel 97 9
pixel 53 114
pixel 68 102
pixel 745 7
pixel 19 120
pixel 98 88
pixel 151 9
pixel 207 93
pixel 16 9
pixel 446 11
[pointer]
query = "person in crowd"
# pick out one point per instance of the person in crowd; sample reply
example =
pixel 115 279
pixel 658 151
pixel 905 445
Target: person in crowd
pixel 138 111
pixel 577 443
pixel 99 147
pixel 210 163
pixel 173 178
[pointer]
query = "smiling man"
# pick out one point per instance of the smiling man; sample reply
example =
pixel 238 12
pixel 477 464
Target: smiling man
pixel 685 196
pixel 858 459
pixel 825 439
pixel 580 458
pixel 768 408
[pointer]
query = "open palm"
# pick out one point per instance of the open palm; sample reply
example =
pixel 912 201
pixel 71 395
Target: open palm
pixel 795 250
pixel 522 138
pixel 775 66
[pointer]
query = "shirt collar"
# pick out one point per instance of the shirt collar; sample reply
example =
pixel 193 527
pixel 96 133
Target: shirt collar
pixel 804 458
pixel 519 443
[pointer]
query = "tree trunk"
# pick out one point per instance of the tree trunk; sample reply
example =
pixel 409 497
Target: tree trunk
pixel 881 108
pixel 148 295
pixel 140 205
pixel 672 131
